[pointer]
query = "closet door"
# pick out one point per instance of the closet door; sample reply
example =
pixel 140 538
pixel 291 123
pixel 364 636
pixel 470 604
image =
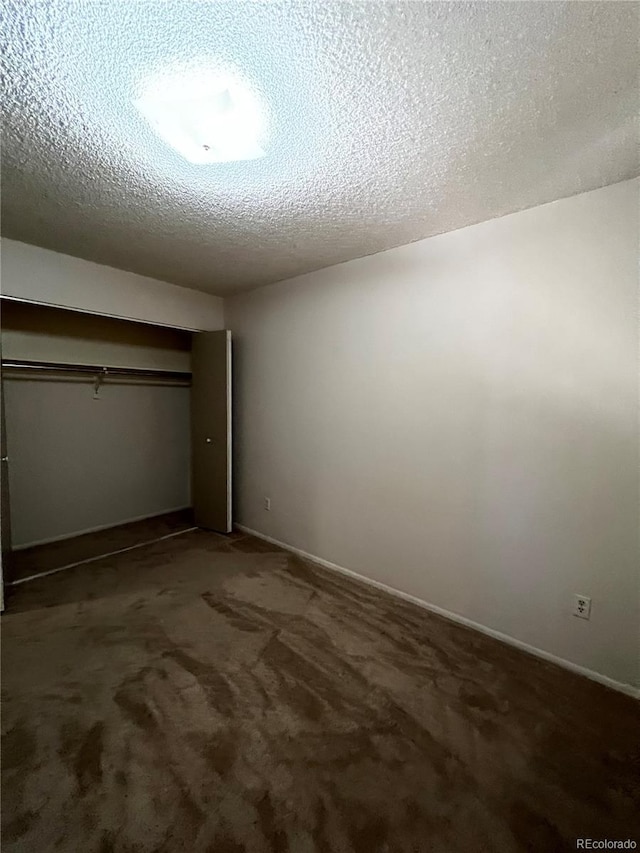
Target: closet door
pixel 5 515
pixel 211 430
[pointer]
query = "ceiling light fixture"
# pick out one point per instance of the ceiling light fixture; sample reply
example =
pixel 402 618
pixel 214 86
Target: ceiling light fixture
pixel 205 117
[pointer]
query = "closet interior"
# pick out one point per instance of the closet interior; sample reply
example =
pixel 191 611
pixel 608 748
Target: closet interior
pixel 102 429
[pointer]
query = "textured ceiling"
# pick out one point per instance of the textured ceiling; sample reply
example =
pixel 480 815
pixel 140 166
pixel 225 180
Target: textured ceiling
pixel 388 122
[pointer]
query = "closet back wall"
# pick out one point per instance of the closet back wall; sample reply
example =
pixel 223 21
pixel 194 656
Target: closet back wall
pixel 78 464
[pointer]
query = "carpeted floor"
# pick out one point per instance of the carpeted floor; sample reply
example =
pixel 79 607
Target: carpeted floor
pixel 213 693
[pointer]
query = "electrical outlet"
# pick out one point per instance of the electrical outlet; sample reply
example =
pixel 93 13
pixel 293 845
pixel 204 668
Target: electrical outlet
pixel 267 504
pixel 582 606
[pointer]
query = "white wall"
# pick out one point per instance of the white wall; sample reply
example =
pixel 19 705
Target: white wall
pixel 43 276
pixel 458 418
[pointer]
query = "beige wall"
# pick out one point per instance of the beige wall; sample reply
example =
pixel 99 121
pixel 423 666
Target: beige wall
pixel 76 463
pixel 40 275
pixel 458 418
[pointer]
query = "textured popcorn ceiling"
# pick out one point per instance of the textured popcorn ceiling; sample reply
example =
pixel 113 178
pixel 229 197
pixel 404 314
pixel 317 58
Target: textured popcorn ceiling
pixel 389 121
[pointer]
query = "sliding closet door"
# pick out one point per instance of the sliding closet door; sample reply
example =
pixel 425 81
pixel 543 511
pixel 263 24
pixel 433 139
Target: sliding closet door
pixel 211 430
pixel 5 513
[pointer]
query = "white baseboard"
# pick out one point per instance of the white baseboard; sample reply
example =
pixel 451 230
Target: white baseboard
pixel 628 689
pixel 96 529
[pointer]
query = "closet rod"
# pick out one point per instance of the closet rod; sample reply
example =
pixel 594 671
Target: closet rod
pixel 52 366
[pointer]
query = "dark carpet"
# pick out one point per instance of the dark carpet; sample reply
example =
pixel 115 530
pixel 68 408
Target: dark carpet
pixel 213 693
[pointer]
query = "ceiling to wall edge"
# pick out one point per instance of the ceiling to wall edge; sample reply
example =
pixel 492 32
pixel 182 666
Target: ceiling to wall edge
pixel 421 239
pixel 225 296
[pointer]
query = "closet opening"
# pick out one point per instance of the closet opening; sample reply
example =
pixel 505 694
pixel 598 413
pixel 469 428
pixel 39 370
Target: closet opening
pixel 104 446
